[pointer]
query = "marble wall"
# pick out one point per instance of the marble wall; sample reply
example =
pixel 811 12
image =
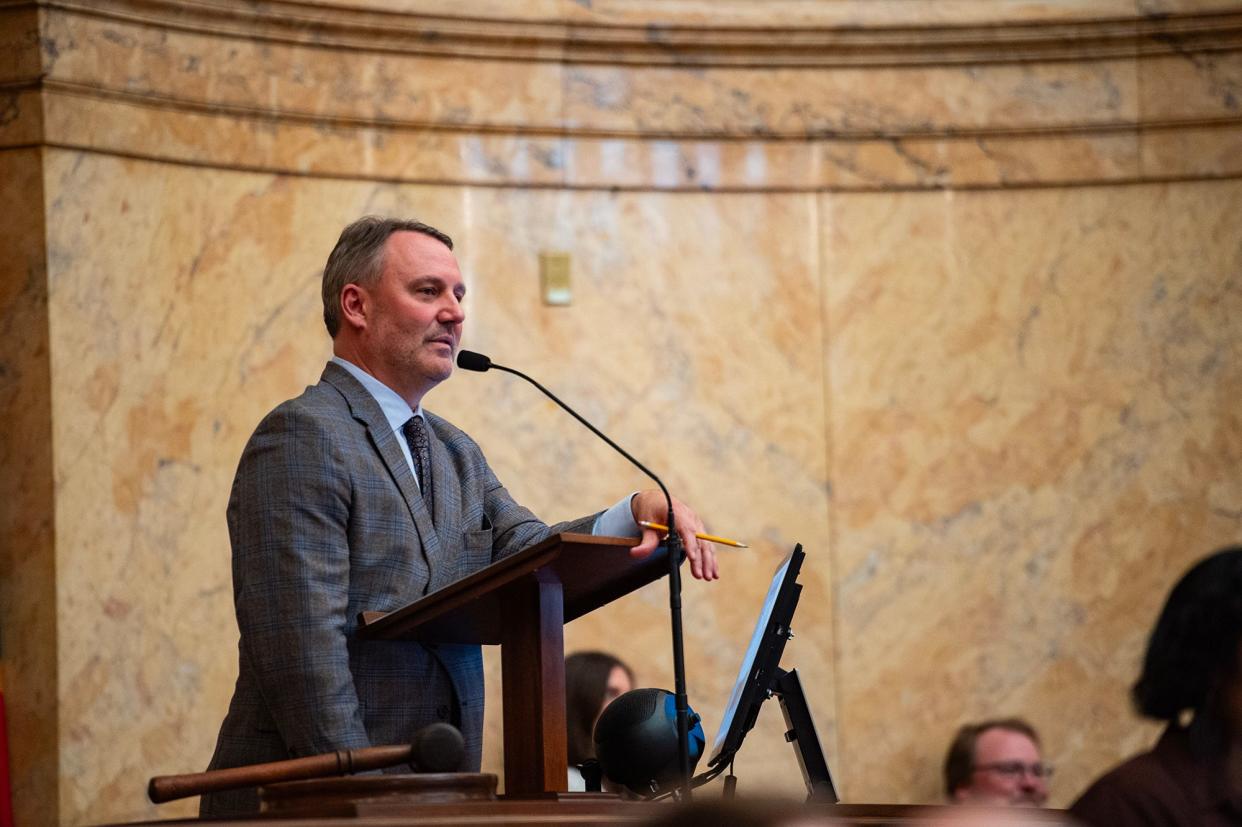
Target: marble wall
pixel 946 292
pixel 1033 434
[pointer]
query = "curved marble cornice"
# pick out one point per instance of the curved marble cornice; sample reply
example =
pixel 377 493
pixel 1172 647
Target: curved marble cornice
pixel 675 43
pixel 314 89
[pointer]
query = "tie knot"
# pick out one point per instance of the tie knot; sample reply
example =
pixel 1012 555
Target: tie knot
pixel 415 430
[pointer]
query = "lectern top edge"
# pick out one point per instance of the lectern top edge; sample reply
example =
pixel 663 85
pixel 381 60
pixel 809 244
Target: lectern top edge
pixel 388 625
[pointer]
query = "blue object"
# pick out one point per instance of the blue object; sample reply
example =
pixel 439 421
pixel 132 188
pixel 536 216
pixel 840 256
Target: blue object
pixel 636 741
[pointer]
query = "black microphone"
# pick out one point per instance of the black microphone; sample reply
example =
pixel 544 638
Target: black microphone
pixel 437 747
pixel 469 360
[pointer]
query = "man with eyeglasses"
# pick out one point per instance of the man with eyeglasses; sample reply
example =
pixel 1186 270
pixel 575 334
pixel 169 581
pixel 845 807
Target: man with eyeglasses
pixel 996 762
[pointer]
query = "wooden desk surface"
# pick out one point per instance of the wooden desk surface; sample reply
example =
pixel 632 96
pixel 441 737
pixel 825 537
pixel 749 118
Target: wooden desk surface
pixel 583 809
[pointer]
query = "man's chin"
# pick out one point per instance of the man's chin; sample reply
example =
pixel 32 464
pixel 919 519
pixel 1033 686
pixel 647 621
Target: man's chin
pixel 429 372
pixel 444 371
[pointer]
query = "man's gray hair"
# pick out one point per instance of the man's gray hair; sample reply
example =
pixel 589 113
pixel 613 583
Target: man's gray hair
pixel 358 258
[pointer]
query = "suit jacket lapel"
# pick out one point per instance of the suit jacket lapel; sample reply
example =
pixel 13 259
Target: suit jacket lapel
pixel 367 411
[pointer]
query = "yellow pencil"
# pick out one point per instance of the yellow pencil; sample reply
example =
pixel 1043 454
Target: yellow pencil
pixel 711 538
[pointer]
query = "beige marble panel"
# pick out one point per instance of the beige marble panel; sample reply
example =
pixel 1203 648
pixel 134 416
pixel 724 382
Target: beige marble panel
pixel 692 340
pixel 1032 434
pixel 1207 152
pixel 1191 84
pixel 29 615
pixel 183 307
pixel 706 165
pixel 1015 406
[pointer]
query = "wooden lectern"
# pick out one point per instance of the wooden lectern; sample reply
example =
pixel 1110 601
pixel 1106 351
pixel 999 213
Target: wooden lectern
pixel 521 603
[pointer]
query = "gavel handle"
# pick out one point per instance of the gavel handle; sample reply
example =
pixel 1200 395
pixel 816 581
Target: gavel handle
pixel 342 762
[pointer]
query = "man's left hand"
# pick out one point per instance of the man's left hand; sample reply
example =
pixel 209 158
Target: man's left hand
pixel 650 506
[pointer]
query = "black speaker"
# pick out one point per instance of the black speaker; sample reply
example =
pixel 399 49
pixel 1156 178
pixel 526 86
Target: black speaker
pixel 636 741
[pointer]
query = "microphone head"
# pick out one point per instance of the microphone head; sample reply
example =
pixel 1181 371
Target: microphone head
pixel 437 748
pixel 469 360
pixel 636 741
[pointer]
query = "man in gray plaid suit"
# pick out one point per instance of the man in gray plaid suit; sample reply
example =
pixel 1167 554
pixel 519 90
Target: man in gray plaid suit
pixel 352 498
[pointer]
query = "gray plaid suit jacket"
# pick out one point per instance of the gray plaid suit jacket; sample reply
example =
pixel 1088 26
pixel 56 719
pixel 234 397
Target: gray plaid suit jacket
pixel 326 521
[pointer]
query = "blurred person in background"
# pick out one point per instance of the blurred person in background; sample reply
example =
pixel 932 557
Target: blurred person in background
pixel 1192 682
pixel 592 681
pixel 996 762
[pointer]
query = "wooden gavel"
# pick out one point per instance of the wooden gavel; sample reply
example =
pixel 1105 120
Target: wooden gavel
pixel 435 748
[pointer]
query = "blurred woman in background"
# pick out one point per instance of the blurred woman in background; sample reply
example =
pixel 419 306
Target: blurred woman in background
pixel 592 681
pixel 1191 681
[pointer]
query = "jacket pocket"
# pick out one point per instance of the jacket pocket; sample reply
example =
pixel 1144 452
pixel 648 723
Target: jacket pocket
pixel 478 548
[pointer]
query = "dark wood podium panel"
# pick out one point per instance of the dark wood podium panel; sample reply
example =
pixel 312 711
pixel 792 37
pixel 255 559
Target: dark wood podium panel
pixel 570 808
pixel 355 796
pixel 592 571
pixel 522 603
pixel 580 808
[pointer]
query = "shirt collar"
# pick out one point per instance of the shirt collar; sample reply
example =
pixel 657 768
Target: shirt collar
pixel 396 410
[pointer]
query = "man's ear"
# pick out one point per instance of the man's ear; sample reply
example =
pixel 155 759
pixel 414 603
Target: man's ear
pixel 355 306
pixel 961 794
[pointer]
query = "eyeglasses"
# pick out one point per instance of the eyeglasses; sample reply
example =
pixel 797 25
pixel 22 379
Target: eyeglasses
pixel 1015 769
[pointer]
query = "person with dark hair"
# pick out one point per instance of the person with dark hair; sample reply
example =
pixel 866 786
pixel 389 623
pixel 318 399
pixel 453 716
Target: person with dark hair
pixel 1192 682
pixel 996 762
pixel 353 498
pixel 592 681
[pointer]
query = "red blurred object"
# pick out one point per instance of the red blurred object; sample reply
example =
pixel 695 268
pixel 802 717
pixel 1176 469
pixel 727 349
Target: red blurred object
pixel 6 794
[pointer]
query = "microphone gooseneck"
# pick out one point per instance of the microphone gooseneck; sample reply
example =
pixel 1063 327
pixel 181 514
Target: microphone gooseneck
pixel 469 360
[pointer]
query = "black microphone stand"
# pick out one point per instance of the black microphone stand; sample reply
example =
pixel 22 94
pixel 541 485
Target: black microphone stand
pixel 478 362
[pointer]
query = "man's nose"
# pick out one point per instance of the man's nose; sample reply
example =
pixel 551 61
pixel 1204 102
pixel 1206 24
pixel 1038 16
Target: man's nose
pixel 452 311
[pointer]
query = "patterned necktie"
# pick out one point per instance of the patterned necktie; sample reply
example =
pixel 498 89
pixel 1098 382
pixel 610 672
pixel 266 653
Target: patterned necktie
pixel 420 448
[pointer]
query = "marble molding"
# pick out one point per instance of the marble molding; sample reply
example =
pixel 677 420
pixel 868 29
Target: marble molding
pixel 1043 96
pixel 948 294
pixel 658 32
